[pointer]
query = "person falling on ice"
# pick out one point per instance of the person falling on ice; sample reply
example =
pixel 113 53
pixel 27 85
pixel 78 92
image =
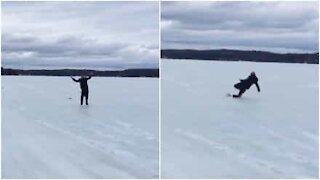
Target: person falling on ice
pixel 245 84
pixel 84 88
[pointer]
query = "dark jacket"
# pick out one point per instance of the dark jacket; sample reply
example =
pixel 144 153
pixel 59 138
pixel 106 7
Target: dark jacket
pixel 83 83
pixel 245 84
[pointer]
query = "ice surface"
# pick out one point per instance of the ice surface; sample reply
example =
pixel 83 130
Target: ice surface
pixel 271 134
pixel 47 134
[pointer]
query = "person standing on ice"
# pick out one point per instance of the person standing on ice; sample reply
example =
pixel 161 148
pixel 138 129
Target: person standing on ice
pixel 245 84
pixel 84 87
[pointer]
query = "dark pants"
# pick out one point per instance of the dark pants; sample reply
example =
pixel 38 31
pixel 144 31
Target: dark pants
pixel 241 90
pixel 84 94
pixel 240 93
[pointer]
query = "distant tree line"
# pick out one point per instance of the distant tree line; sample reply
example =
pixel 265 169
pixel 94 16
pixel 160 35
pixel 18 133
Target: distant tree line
pixel 78 72
pixel 240 55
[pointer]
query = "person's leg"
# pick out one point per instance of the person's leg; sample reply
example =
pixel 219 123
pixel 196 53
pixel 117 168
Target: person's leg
pixel 240 93
pixel 81 99
pixel 87 97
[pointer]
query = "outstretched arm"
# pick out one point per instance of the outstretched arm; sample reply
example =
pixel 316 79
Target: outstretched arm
pixel 75 80
pixel 258 87
pixel 89 77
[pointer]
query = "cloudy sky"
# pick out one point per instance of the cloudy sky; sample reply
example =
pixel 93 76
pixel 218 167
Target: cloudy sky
pixel 96 35
pixel 271 26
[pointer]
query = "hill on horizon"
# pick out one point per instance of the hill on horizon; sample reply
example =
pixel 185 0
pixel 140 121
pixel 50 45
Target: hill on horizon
pixel 82 72
pixel 240 55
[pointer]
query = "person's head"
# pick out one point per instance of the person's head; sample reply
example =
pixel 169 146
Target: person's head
pixel 83 77
pixel 252 73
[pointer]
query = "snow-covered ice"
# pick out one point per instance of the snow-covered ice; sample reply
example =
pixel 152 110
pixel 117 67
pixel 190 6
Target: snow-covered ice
pixel 271 134
pixel 47 134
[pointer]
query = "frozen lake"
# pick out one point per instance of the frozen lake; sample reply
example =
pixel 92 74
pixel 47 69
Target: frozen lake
pixel 271 134
pixel 47 134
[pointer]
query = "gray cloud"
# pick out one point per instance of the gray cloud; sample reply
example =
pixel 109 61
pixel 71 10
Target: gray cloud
pixel 101 35
pixel 274 26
